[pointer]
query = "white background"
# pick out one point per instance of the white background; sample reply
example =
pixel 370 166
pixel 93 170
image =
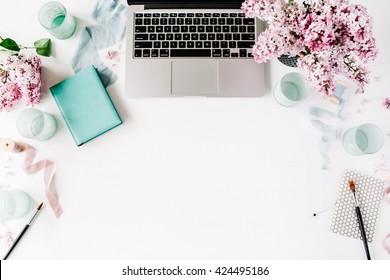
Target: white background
pixel 196 178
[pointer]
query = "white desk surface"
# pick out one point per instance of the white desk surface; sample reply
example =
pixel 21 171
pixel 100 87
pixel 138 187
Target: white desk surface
pixel 196 178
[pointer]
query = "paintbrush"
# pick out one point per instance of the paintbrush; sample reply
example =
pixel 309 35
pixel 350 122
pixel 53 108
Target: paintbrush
pixel 23 232
pixel 360 219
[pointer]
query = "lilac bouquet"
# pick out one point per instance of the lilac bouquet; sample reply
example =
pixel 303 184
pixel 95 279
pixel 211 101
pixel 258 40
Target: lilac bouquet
pixel 20 78
pixel 328 36
pixel 20 74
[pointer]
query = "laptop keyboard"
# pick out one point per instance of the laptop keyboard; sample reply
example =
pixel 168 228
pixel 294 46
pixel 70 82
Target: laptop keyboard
pixel 217 35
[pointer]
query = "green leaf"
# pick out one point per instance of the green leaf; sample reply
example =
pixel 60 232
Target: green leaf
pixel 10 44
pixel 43 46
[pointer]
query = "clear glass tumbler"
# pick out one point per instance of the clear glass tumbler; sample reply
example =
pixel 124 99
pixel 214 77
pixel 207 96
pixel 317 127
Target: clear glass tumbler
pixel 35 124
pixel 363 139
pixel 55 19
pixel 14 204
pixel 291 89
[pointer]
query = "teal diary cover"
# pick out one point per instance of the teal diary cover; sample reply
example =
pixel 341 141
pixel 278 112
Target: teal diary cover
pixel 85 105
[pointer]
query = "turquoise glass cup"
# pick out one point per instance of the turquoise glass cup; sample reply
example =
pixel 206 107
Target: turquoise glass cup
pixel 363 139
pixel 56 20
pixel 291 89
pixel 35 124
pixel 14 204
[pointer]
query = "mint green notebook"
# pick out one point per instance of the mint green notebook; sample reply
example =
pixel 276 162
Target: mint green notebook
pixel 85 105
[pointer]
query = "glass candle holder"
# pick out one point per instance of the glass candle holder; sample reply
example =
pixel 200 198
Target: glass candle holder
pixel 56 20
pixel 291 89
pixel 14 204
pixel 35 124
pixel 363 139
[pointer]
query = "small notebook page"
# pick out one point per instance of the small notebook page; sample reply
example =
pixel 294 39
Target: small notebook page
pixel 369 191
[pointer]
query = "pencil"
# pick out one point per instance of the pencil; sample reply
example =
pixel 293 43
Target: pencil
pixel 22 232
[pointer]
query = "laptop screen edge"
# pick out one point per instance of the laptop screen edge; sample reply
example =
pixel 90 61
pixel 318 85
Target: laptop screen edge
pixel 236 4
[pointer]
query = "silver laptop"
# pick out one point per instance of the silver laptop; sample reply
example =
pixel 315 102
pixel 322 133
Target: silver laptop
pixel 191 48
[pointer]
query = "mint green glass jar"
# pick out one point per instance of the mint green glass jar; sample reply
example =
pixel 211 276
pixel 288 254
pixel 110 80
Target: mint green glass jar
pixel 363 139
pixel 14 204
pixel 35 124
pixel 56 20
pixel 291 89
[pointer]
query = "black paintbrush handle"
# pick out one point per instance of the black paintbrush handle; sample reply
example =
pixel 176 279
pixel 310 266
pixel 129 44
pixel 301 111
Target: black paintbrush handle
pixel 16 241
pixel 361 226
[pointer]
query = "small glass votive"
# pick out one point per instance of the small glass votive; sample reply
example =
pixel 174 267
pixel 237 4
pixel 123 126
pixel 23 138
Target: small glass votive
pixel 14 204
pixel 54 17
pixel 35 124
pixel 291 89
pixel 363 139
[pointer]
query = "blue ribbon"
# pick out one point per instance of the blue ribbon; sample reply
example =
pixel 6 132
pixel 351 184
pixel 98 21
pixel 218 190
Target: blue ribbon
pixel 339 92
pixel 328 132
pixel 110 27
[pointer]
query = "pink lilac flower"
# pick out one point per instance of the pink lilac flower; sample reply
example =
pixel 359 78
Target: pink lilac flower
pixel 387 103
pixel 112 54
pixel 329 36
pixel 9 93
pixel 21 79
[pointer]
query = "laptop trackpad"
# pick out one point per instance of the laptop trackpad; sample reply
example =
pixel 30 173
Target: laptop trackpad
pixel 199 78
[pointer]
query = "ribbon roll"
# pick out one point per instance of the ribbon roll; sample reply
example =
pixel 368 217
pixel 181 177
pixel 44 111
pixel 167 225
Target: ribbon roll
pixel 9 145
pixel 341 86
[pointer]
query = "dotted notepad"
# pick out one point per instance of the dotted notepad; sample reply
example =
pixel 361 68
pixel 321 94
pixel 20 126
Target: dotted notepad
pixel 369 191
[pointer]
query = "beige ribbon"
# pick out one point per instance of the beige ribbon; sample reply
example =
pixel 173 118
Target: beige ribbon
pixel 48 168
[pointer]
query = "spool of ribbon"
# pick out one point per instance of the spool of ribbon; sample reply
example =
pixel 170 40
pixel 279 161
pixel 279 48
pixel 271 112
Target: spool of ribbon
pixel 9 145
pixel 48 168
pixel 341 86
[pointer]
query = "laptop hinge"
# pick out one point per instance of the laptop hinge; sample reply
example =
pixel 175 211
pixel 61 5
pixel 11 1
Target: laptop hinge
pixel 193 6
